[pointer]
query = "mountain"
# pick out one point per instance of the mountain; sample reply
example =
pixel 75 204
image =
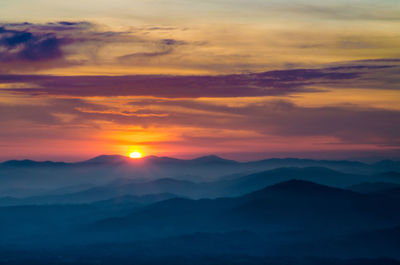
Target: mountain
pixel 161 186
pixel 226 187
pixel 134 200
pixel 289 206
pixel 319 175
pixel 28 178
pixel 345 165
pixel 95 196
pixel 213 159
pixel 46 223
pixel 115 159
pixel 244 184
pixel 172 186
pixel 31 178
pixel 31 163
pixel 106 159
pixel 294 218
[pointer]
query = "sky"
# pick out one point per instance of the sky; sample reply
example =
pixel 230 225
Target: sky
pixel 243 79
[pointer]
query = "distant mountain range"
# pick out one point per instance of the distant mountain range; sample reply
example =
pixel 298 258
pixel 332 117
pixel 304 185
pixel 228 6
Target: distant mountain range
pixel 118 159
pixel 210 159
pixel 118 210
pixel 275 213
pixel 22 178
pixel 294 205
pixel 212 189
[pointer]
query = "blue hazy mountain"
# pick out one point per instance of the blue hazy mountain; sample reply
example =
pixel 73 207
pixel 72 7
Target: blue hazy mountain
pixel 292 206
pixel 103 194
pixel 28 178
pixel 224 187
pixel 208 210
pixel 292 219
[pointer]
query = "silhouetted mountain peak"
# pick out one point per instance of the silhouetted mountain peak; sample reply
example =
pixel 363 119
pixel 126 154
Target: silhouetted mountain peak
pixel 298 188
pixel 295 184
pixel 162 159
pixel 210 159
pixel 30 163
pixel 105 159
pixel 213 159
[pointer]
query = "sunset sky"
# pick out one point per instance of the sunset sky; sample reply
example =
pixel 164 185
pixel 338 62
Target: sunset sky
pixel 244 79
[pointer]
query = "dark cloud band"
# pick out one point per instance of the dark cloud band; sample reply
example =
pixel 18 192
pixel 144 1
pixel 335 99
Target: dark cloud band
pixel 273 83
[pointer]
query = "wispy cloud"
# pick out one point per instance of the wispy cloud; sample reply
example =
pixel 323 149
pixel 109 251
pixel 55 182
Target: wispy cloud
pixel 273 83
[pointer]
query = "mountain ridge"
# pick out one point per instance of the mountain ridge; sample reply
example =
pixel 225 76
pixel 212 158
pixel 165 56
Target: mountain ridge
pixel 293 203
pixel 207 158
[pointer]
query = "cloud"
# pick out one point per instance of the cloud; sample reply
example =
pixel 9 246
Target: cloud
pixel 161 48
pixel 143 55
pixel 340 125
pixel 38 46
pixel 348 124
pixel 50 26
pixel 100 49
pixel 26 46
pixel 205 103
pixel 272 83
pixel 30 47
pixel 161 86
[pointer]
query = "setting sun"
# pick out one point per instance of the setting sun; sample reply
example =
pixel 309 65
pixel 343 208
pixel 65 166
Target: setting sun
pixel 135 155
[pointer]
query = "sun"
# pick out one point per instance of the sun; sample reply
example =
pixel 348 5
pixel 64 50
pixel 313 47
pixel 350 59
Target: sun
pixel 136 154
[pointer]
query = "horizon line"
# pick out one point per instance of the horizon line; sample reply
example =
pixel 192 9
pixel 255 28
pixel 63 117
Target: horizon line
pixel 191 159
